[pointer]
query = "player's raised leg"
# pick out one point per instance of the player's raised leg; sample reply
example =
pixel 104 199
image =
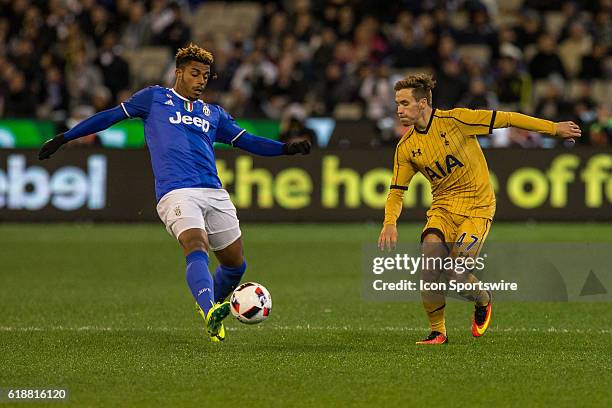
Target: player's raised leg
pixel 434 301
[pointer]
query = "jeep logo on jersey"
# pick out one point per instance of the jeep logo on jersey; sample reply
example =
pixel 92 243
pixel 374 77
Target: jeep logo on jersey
pixel 451 161
pixel 190 120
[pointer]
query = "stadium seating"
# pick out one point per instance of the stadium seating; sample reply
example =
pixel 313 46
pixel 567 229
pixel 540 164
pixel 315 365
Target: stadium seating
pixel 148 64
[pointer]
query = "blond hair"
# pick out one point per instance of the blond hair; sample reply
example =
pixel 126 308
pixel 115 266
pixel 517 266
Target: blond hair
pixel 193 53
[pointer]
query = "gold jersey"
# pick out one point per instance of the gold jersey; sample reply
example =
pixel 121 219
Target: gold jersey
pixel 447 153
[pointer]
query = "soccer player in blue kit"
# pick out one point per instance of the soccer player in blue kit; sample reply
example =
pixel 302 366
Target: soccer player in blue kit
pixel 180 130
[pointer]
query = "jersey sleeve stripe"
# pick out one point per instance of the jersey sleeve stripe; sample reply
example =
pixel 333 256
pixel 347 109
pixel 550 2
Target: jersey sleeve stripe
pixel 396 187
pixel 492 121
pixel 459 120
pixel 237 136
pixel 125 110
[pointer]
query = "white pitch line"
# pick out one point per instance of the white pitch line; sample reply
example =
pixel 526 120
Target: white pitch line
pixel 292 328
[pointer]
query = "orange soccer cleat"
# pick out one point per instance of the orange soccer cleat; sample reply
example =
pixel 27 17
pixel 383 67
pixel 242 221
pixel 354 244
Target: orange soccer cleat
pixel 434 338
pixel 481 319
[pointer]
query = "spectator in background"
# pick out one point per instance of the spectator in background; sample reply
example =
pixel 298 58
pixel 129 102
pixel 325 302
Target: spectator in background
pixel 451 84
pixel 478 96
pixel 19 101
pixel 4 35
pixel 529 29
pixel 600 132
pixel 176 32
pixel 345 23
pixel 6 70
pixel 602 30
pixel 251 81
pixel 377 92
pixel 81 78
pixel 408 53
pixel 290 86
pixel 23 58
pixel 101 98
pixel 275 32
pixel 304 28
pixel 121 11
pixel 592 65
pixel 137 32
pixel 115 69
pixel 546 62
pixel 324 52
pixel 513 86
pixel 479 30
pixel 338 87
pixel 54 96
pixel 406 49
pixel 574 48
pixel 553 105
pixel 101 23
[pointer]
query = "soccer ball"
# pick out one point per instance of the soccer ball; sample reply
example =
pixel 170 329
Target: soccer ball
pixel 251 303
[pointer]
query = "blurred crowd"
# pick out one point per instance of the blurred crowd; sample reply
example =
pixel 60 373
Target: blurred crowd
pixel 63 60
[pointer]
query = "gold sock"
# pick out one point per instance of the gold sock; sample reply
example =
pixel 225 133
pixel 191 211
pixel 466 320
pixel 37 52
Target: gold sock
pixel 434 305
pixel 480 297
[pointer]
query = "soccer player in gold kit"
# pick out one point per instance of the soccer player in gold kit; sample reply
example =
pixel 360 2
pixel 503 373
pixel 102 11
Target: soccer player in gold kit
pixel 442 145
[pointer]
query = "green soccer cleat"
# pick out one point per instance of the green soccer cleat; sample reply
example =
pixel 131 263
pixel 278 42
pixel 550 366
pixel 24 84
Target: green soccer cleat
pixel 214 320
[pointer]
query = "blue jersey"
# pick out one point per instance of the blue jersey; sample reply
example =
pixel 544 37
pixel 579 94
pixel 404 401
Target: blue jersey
pixel 180 134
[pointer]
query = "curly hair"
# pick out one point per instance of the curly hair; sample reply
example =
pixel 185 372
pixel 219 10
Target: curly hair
pixel 193 53
pixel 421 85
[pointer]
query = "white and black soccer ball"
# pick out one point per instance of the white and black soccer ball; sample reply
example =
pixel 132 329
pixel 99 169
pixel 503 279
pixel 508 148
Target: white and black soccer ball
pixel 251 303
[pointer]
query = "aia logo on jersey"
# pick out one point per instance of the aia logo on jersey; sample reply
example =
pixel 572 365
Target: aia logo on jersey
pixel 189 120
pixel 439 171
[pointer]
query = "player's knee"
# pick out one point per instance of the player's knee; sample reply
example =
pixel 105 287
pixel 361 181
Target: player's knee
pixel 232 256
pixel 432 243
pixel 193 240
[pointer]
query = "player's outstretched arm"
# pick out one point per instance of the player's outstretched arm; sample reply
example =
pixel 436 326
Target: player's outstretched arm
pixel 267 147
pixel 564 130
pixel 93 124
pixel 230 133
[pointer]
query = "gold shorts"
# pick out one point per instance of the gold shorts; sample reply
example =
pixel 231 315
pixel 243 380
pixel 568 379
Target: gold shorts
pixel 465 234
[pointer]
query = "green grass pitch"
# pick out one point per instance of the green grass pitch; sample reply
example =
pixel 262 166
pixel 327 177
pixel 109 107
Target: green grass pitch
pixel 104 312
